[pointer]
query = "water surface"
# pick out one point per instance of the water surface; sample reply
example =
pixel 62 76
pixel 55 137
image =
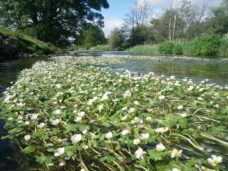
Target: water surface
pixel 214 70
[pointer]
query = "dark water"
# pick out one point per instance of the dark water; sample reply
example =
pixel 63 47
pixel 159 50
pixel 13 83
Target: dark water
pixel 9 71
pixel 216 71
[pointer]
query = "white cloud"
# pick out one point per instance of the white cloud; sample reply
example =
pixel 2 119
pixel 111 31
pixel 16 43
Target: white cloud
pixel 166 3
pixel 110 24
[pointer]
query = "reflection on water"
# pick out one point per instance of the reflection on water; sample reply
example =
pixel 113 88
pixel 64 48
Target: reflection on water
pixel 217 72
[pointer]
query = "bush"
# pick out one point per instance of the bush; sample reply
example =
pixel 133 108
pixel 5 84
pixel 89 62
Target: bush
pixel 166 48
pixel 177 49
pixel 223 49
pixel 206 45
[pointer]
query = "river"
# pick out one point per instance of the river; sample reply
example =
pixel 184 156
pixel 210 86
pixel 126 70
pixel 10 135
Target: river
pixel 214 70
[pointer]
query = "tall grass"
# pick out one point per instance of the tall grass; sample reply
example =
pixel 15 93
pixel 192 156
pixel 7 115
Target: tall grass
pixel 101 48
pixel 223 49
pixel 144 49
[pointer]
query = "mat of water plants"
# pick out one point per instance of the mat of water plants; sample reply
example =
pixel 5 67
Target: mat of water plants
pixel 70 113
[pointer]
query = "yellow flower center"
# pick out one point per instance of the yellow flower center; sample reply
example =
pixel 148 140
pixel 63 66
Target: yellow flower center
pixel 177 153
pixel 215 161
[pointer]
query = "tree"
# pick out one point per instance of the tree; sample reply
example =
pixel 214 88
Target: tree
pixel 116 39
pixel 218 22
pixel 137 20
pixel 92 36
pixel 51 20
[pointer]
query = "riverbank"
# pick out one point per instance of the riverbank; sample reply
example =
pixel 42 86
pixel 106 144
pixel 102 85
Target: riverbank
pixel 16 44
pixel 207 45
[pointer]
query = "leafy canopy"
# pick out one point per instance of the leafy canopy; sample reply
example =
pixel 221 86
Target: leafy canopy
pixel 51 20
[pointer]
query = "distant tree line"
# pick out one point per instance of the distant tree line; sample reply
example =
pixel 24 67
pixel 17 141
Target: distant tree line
pixel 182 21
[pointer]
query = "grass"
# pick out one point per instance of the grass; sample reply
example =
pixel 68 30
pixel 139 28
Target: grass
pixel 29 44
pixel 144 49
pixel 101 48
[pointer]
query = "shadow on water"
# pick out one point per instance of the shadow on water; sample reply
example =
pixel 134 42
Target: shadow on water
pixel 9 71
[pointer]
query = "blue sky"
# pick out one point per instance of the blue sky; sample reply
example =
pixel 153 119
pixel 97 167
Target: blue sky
pixel 115 14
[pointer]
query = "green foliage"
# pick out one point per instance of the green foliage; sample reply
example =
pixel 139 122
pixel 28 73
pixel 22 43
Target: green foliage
pixel 51 20
pixel 116 39
pixel 29 44
pixel 207 45
pixel 166 48
pixel 177 49
pixel 223 49
pixel 92 36
pixel 144 49
pixel 101 48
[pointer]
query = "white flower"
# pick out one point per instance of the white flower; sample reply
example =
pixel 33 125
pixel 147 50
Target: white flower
pixel 104 97
pixel 55 121
pixel 81 114
pixel 76 138
pixel 125 132
pixel 85 147
pixel 100 107
pixel 58 85
pixel 199 98
pixel 140 153
pixel 136 141
pixel 62 163
pixel 27 123
pixel 180 107
pixel 124 118
pixel 126 94
pixel 190 88
pixel 136 103
pixel 214 160
pixel 160 147
pixel 108 135
pixel 56 112
pixel 84 131
pixel 27 137
pixel 77 119
pixel 131 110
pixel 41 125
pixel 60 151
pixel 162 130
pixel 161 97
pixel 149 118
pixel 145 136
pixel 20 117
pixel 175 169
pixel 10 119
pixel 34 116
pixel 176 153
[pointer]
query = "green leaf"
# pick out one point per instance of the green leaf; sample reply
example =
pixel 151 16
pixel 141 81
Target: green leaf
pixel 29 149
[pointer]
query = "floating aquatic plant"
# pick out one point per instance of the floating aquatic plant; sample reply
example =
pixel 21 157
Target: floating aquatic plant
pixel 69 114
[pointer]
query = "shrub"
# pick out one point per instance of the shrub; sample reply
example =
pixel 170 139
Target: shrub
pixel 206 45
pixel 166 48
pixel 177 49
pixel 223 49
